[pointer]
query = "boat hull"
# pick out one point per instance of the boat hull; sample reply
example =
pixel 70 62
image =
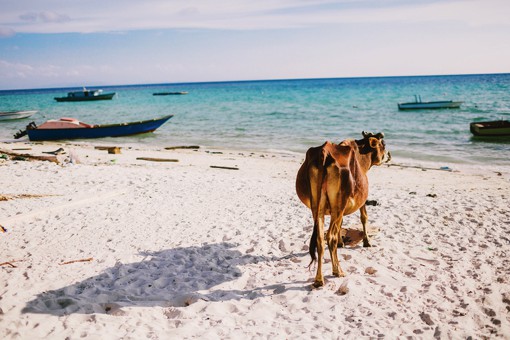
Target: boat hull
pixel 497 128
pixel 11 115
pixel 105 96
pixel 169 93
pixel 98 131
pixel 448 104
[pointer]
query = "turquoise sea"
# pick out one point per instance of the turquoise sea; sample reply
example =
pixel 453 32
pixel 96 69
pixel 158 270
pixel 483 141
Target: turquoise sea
pixel 292 115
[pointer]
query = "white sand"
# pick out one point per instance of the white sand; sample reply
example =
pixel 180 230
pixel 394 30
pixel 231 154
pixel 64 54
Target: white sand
pixel 182 250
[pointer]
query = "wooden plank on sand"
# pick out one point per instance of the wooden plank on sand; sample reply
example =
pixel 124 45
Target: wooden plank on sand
pixel 224 167
pixel 153 159
pixel 27 157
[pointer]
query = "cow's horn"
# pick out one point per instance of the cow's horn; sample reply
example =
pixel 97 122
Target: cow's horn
pixel 365 134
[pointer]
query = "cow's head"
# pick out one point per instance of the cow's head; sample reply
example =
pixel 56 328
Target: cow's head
pixel 374 144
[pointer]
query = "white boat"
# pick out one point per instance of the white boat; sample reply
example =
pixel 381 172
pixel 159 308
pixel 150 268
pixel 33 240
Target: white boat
pixel 10 115
pixel 85 95
pixel 419 105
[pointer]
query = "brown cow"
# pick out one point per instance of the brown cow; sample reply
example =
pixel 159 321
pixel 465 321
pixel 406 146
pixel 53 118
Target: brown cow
pixel 333 181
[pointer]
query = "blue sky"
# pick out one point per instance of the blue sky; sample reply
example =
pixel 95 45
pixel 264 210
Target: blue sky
pixel 55 43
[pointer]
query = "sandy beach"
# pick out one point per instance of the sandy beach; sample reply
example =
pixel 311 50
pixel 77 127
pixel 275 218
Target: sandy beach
pixel 213 244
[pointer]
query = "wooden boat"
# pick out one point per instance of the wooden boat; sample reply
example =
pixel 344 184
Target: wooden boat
pixel 419 105
pixel 85 95
pixel 71 128
pixel 11 115
pixel 496 128
pixel 169 93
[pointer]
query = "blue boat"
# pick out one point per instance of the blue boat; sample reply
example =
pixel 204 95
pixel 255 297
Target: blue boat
pixel 71 128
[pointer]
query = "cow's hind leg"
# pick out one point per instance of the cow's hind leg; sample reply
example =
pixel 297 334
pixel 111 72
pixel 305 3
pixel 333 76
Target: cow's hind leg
pixel 319 279
pixel 333 238
pixel 317 204
pixel 364 219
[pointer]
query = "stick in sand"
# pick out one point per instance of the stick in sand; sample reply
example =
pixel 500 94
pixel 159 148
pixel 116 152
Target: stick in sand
pixel 81 260
pixel 152 159
pixel 9 263
pixel 223 167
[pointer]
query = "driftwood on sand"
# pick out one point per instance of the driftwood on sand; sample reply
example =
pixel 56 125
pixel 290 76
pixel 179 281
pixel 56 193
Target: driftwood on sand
pixel 224 167
pixel 9 263
pixel 153 159
pixel 12 197
pixel 80 260
pixel 27 157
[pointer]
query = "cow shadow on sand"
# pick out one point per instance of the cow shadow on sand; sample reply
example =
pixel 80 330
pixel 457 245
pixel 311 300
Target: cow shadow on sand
pixel 173 277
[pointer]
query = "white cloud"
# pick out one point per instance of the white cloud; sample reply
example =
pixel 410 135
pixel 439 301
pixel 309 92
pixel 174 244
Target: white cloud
pixel 44 16
pixel 13 70
pixel 60 16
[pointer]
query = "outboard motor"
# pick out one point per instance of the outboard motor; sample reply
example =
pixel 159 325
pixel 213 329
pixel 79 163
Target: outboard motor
pixel 22 133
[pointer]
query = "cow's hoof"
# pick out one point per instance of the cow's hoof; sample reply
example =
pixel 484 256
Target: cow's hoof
pixel 339 274
pixel 318 284
pixel 366 244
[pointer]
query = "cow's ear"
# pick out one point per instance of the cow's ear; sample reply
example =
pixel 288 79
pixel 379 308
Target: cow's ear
pixel 373 142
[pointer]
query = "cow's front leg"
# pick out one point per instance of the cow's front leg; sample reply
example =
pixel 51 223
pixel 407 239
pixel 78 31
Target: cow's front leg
pixel 364 219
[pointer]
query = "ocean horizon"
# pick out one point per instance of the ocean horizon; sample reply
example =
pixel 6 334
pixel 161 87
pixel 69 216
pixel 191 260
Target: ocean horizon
pixel 103 86
pixel 294 114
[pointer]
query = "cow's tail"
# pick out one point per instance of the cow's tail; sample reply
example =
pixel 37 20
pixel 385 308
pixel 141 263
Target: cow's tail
pixel 321 176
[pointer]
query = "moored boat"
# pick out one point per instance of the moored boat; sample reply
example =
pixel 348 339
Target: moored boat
pixel 11 115
pixel 71 128
pixel 169 93
pixel 85 95
pixel 419 105
pixel 495 128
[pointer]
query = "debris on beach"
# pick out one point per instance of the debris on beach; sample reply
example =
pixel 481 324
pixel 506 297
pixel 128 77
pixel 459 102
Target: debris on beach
pixel 11 197
pixel 343 289
pixel 154 159
pixel 224 167
pixel 80 260
pixel 442 168
pixel 370 270
pixel 9 155
pixel 111 149
pixel 182 147
pixel 9 263
pixel 59 151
